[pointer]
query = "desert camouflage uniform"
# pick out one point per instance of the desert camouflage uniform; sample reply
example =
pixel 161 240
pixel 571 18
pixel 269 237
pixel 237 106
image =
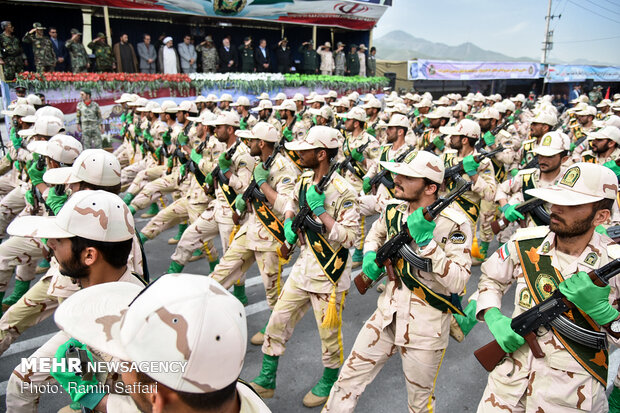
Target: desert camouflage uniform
pixel 589 156
pixel 89 118
pixel 557 382
pixel 148 169
pixel 404 322
pixel 254 242
pixel 210 58
pixel 43 50
pixel 128 174
pixel 79 56
pixel 12 54
pixel 104 58
pixel 217 218
pixel 308 286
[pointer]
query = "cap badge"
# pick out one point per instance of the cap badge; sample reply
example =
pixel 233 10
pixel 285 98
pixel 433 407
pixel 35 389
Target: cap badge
pixel 571 176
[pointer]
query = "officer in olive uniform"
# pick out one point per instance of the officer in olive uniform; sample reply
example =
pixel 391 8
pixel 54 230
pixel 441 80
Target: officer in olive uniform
pixel 12 57
pixel 353 62
pixel 77 51
pixel 103 53
pixel 42 48
pixel 247 55
pixel 310 61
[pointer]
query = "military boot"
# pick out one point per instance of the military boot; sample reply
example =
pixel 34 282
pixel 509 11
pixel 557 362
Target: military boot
pixel 20 289
pixel 358 257
pixel 213 264
pixel 128 198
pixel 319 393
pixel 196 255
pixel 239 293
pixel 175 240
pixel 153 210
pixel 174 268
pixel 43 266
pixel 265 383
pixel 258 338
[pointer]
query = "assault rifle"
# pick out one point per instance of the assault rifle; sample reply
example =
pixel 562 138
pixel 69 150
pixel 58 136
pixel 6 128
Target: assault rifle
pixel 304 218
pixel 253 191
pixel 347 161
pixel 37 197
pixel 505 123
pixel 614 233
pixel 533 206
pixel 398 246
pixel 381 177
pixel 217 174
pixel 457 170
pixel 191 165
pixel 549 314
pixel 431 146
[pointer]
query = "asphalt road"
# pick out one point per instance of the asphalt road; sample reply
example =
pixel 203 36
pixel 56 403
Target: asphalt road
pixel 460 383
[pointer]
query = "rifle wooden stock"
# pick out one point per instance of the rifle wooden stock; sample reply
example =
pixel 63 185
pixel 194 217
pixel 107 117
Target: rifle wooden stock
pixel 491 354
pixel 363 283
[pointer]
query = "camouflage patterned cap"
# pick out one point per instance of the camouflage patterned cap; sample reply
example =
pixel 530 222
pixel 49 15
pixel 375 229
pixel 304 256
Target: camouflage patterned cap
pixel 61 148
pixel 552 143
pixel 38 26
pixel 125 97
pixel 33 100
pixel 465 127
pixel 226 97
pixel 95 166
pixel 225 118
pixel 488 113
pixel 608 132
pixel 94 215
pixel 263 104
pixel 356 113
pixel 20 111
pixel 280 96
pixel 422 164
pixel 582 183
pixel 399 120
pixel 325 112
pixel 243 101
pixel 317 137
pixel 545 118
pixel 287 104
pixel 44 126
pixel 440 112
pixel 262 130
pixel 182 318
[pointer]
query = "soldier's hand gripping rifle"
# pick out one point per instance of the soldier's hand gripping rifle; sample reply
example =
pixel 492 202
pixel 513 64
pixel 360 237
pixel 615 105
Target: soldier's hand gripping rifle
pixel 457 170
pixel 505 123
pixel 398 246
pixel 347 162
pixel 381 178
pixel 431 146
pixel 37 197
pixel 217 174
pixel 304 218
pixel 253 191
pixel 549 314
pixel 534 206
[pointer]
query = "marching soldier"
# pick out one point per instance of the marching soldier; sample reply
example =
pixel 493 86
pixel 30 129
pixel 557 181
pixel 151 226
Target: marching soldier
pixel 42 48
pixel 414 324
pixel 262 234
pixel 104 58
pixel 12 57
pixel 89 121
pixel 376 127
pixel 246 119
pixel 437 119
pixel 605 148
pixel 542 123
pixel 265 114
pixel 571 376
pixel 321 274
pixel 77 52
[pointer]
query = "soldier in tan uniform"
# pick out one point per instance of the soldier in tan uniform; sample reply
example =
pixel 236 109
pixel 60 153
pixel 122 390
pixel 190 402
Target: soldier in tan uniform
pixel 437 118
pixel 246 119
pixel 539 260
pixel 463 137
pixel 80 236
pixel 149 332
pixel 323 116
pixel 542 123
pixel 376 126
pixel 265 114
pixel 234 177
pixel 259 239
pixel 407 321
pixel 605 147
pixel 320 277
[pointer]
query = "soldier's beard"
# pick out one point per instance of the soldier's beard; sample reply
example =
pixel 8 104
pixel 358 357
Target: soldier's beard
pixel 578 228
pixel 74 268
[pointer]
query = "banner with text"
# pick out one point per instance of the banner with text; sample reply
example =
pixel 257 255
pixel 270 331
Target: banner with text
pixel 578 73
pixel 449 70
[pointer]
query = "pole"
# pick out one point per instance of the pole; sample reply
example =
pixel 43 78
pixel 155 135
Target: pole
pixel 106 18
pixel 314 36
pixel 87 31
pixel 546 39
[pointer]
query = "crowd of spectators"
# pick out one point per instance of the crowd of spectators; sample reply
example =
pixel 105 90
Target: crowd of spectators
pixel 169 55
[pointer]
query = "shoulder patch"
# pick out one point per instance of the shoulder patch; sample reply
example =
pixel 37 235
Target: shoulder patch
pixel 531 232
pixel 347 204
pixel 457 237
pixel 286 180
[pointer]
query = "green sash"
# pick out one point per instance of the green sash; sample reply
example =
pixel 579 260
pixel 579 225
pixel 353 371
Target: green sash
pixel 589 158
pixel 292 155
pixel 271 223
pixel 528 183
pixel 426 138
pixel 357 166
pixel 500 170
pixel 542 279
pixel 332 261
pixel 443 303
pixel 527 152
pixel 471 208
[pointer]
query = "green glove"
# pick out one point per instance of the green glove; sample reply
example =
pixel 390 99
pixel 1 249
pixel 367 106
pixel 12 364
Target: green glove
pixel 426 122
pixel 511 119
pixel 243 124
pixel 439 143
pixel 589 298
pixel 260 174
pixel 514 172
pixel 29 198
pixel 123 130
pixel 182 139
pixel 612 165
pixel 158 152
pixel 572 147
pixel 372 131
pixel 468 321
pixel 142 150
pixel 416 112
pixel 314 120
pixel 182 170
pixel 195 156
pixel 370 267
pixel 366 185
pixel 298 116
pixel 166 137
pixel 420 228
pixel 316 201
pixel 489 138
pixel 36 176
pixel 17 166
pixel 209 179
pixel 614 400
pixel 357 155
pixel 601 229
pixel 74 384
pixel 289 234
pixel 148 136
pixel 470 165
pixel 499 325
pixel 511 213
pixel 240 203
pixel 17 141
pixel 55 202
pixel 224 163
pixel 170 162
pixel 123 117
pixel 288 135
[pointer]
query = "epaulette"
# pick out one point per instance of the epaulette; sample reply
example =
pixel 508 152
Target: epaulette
pixel 279 163
pixel 307 174
pixel 588 152
pixel 528 141
pixel 340 183
pixel 531 232
pixel 454 215
pixel 613 251
pixel 527 171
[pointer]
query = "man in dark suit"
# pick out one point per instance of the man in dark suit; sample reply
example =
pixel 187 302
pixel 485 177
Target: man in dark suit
pixel 62 55
pixel 283 55
pixel 261 55
pixel 228 57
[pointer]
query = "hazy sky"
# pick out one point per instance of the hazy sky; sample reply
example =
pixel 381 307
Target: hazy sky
pixel 515 28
